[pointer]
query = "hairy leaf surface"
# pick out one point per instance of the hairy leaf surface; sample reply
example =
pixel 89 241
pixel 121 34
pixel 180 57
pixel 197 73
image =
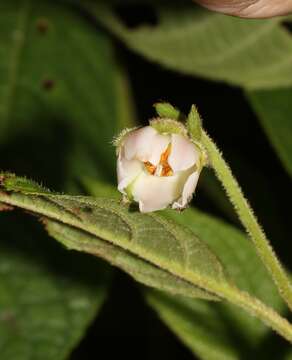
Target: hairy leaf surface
pixel 220 331
pixel 253 53
pixel 206 327
pixel 154 250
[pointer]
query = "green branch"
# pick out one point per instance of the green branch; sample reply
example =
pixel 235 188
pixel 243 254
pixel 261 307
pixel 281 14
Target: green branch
pixel 253 306
pixel 248 218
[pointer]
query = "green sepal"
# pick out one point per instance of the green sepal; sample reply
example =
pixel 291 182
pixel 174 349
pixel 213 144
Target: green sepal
pixel 118 140
pixel 194 124
pixel 166 110
pixel 168 126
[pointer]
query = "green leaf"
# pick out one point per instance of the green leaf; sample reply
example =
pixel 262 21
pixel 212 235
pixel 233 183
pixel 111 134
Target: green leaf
pixel 236 252
pixel 274 111
pixel 206 328
pixel 213 189
pixel 201 327
pixel 126 111
pixel 98 188
pixel 155 251
pixel 47 295
pixel 188 39
pixel 219 331
pixel 56 67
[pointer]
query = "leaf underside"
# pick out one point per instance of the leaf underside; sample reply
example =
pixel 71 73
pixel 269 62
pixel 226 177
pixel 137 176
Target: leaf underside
pixel 252 54
pixel 205 327
pixel 154 250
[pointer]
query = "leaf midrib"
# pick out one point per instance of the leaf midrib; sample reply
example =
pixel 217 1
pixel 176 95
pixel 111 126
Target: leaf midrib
pixel 198 280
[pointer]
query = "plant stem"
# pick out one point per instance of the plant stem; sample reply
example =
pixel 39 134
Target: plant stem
pixel 248 219
pixel 254 307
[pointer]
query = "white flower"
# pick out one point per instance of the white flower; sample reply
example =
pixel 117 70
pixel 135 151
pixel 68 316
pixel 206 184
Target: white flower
pixel 158 169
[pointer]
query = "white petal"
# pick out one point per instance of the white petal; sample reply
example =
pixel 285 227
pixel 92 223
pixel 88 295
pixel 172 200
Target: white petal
pixel 188 191
pixel 184 153
pixel 127 171
pixel 156 193
pixel 137 143
pixel 158 146
pixel 145 144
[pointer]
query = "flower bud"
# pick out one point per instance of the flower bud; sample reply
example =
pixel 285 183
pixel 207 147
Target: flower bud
pixel 158 165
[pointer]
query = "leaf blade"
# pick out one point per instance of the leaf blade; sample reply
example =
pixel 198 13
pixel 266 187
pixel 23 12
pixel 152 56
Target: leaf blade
pixel 44 83
pixel 235 50
pixel 215 330
pixel 160 242
pixel 219 331
pixel 274 110
pixel 46 303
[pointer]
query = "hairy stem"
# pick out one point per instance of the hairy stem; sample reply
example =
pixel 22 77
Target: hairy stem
pixel 254 307
pixel 248 219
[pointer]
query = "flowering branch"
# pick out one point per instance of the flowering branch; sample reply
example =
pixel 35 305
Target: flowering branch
pixel 158 166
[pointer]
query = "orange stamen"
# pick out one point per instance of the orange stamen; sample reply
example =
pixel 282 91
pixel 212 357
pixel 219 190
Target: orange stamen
pixel 164 156
pixel 166 169
pixel 150 167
